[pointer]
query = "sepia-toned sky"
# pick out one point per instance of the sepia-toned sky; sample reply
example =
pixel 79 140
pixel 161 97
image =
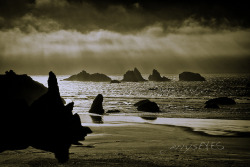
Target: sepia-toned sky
pixel 113 36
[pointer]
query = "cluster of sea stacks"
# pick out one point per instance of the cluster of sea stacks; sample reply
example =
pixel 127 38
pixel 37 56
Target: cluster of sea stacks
pixel 133 76
pixel 33 115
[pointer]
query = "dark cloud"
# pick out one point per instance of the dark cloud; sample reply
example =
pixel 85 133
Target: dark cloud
pixel 15 8
pixel 235 12
pixel 128 15
pixel 171 35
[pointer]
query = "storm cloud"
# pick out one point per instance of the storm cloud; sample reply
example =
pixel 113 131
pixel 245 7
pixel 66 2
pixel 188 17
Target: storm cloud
pixel 68 36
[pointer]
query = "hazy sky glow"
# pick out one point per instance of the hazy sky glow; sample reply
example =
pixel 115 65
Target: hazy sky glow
pixel 69 36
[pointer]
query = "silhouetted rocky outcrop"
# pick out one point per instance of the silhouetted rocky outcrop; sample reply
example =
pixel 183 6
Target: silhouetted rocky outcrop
pixel 147 106
pixel 190 76
pixel 56 128
pixel 20 87
pixel 84 76
pixel 14 124
pixel 47 124
pixel 156 76
pixel 96 106
pixel 221 101
pixel 133 76
pixel 115 81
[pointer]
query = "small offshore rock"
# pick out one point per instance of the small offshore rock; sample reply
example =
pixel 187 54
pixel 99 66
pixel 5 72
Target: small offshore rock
pixel 113 111
pixel 115 81
pixel 147 106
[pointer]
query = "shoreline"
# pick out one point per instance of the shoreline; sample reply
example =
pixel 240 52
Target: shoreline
pixel 210 127
pixel 141 145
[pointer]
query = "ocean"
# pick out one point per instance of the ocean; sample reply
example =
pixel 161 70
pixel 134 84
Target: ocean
pixel 181 103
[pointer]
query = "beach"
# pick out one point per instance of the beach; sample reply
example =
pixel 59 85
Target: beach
pixel 184 133
pixel 142 145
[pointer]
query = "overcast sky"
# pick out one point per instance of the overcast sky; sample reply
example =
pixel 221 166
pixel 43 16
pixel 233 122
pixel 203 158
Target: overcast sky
pixel 113 36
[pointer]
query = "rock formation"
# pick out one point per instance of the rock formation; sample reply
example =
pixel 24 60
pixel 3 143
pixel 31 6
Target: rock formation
pixel 14 125
pixel 96 106
pixel 84 76
pixel 47 124
pixel 115 81
pixel 212 105
pixel 153 88
pixel 56 128
pixel 156 76
pixel 20 87
pixel 221 101
pixel 147 106
pixel 113 111
pixel 133 76
pixel 190 76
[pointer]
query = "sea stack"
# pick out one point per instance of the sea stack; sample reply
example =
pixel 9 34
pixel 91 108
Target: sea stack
pixel 133 76
pixel 96 106
pixel 156 76
pixel 190 76
pixel 84 76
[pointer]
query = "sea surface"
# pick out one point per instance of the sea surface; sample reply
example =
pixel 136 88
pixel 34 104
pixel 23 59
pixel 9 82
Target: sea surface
pixel 181 103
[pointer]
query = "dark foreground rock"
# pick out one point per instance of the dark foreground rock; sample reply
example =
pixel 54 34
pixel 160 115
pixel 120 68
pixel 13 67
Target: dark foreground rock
pixel 190 76
pixel 156 76
pixel 96 106
pixel 47 124
pixel 133 76
pixel 221 101
pixel 84 76
pixel 147 106
pixel 20 87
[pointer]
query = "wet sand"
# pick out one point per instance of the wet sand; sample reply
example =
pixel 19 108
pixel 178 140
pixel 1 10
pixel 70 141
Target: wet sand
pixel 142 145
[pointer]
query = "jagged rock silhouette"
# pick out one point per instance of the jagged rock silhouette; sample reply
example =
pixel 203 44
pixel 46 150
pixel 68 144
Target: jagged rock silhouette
pixel 47 124
pixel 156 76
pixel 133 76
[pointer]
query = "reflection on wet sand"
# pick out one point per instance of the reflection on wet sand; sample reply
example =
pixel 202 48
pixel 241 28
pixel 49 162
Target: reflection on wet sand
pixel 96 119
pixel 150 118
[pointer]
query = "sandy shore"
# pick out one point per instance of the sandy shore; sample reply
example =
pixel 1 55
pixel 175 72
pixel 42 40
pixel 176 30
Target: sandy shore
pixel 142 145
